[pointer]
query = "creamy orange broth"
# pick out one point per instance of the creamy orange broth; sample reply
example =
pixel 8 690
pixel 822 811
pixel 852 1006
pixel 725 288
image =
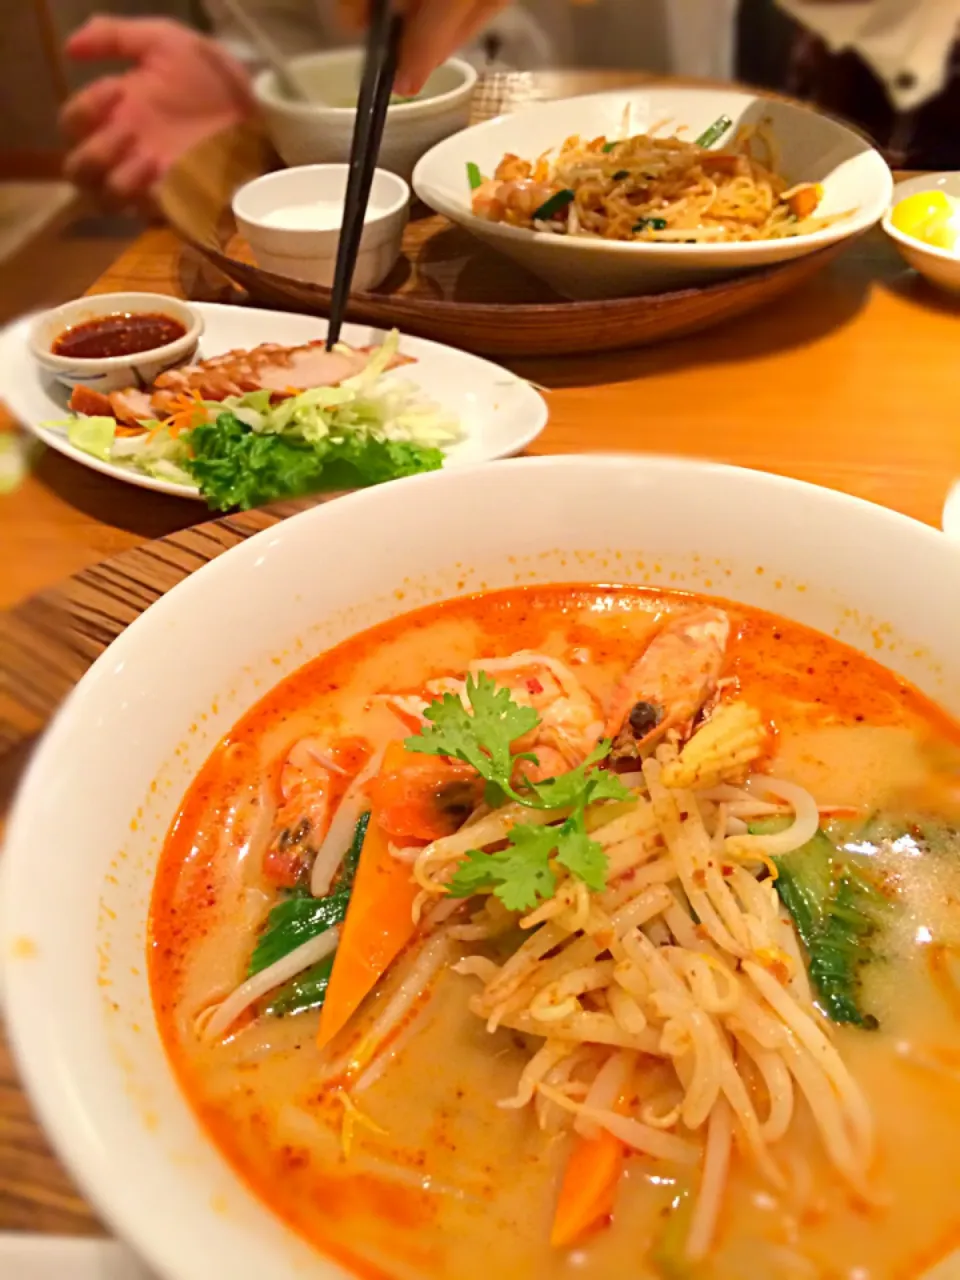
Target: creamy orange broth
pixel 458 1188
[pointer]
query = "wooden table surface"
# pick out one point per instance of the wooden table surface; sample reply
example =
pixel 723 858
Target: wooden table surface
pixel 848 383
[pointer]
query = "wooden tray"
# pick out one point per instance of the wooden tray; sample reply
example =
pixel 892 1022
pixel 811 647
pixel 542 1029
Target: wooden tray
pixel 48 642
pixel 447 285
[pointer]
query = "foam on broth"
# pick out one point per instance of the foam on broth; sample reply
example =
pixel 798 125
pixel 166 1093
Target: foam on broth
pixel 457 1187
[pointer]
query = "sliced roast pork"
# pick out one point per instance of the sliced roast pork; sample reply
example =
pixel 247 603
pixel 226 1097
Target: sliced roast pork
pixel 284 371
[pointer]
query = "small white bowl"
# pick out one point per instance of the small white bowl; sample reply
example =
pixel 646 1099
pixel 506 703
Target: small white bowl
pixel 939 266
pixel 813 148
pixel 292 219
pixel 110 373
pixel 321 132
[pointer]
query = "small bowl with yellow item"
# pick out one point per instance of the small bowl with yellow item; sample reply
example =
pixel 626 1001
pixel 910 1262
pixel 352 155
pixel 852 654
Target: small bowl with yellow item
pixel 924 223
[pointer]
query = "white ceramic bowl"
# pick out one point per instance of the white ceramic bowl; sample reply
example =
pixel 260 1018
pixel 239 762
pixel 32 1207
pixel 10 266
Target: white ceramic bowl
pixel 292 220
pixel 113 372
pixel 321 132
pixel 104 785
pixel 940 267
pixel 813 148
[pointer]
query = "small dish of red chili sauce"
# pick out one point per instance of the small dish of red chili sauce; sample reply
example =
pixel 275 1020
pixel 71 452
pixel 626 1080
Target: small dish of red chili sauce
pixel 119 334
pixel 115 340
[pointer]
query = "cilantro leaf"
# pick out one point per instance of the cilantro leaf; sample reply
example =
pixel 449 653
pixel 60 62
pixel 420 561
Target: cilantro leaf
pixel 519 875
pixel 604 785
pixel 481 739
pixel 582 857
pixel 481 736
pixel 476 873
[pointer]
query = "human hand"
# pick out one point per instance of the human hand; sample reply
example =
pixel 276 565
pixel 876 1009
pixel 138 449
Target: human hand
pixel 128 129
pixel 433 30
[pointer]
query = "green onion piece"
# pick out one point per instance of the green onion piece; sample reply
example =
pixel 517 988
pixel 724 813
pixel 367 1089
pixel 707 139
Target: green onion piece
pixel 474 176
pixel 621 174
pixel 554 205
pixel 650 224
pixel 608 147
pixel 715 132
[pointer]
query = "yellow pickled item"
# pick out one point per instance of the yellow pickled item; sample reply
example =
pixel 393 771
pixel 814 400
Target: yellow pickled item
pixel 913 213
pixel 940 232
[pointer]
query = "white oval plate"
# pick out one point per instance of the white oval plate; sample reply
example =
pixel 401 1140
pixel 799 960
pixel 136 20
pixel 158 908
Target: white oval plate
pixel 813 148
pixel 499 412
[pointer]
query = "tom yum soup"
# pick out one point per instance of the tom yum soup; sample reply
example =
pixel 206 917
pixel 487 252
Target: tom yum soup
pixel 578 931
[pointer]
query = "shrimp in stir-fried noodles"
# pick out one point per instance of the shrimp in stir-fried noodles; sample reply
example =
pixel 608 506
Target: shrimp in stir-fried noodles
pixel 669 684
pixel 512 202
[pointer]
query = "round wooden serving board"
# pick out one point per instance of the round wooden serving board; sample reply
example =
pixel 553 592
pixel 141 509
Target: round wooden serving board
pixel 447 285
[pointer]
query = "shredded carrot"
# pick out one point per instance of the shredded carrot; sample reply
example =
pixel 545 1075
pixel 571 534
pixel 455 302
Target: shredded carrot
pixel 190 412
pixel 589 1186
pixel 378 925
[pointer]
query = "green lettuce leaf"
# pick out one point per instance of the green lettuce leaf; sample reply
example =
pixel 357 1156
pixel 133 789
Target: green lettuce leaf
pixel 236 467
pixel 94 435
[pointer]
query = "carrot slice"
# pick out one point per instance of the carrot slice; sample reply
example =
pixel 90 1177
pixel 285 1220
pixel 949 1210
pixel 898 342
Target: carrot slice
pixel 378 925
pixel 804 202
pixel 589 1185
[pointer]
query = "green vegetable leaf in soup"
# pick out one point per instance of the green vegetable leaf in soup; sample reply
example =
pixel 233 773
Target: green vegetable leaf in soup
pixel 837 911
pixel 305 992
pixel 298 918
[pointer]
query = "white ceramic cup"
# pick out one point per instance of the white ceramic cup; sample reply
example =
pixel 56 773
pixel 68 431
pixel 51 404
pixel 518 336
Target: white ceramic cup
pixel 321 131
pixel 292 219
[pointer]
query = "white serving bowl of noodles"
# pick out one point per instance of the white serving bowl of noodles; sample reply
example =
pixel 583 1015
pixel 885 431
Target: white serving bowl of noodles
pixel 84 840
pixel 812 148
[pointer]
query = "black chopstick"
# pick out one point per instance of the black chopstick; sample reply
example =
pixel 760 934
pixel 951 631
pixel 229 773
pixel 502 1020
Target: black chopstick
pixel 379 71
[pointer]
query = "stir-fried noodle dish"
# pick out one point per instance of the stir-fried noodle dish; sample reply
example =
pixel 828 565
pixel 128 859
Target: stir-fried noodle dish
pixel 652 188
pixel 581 931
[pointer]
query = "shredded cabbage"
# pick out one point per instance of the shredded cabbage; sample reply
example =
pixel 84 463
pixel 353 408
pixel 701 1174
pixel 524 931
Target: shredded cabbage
pixel 370 403
pixel 157 454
